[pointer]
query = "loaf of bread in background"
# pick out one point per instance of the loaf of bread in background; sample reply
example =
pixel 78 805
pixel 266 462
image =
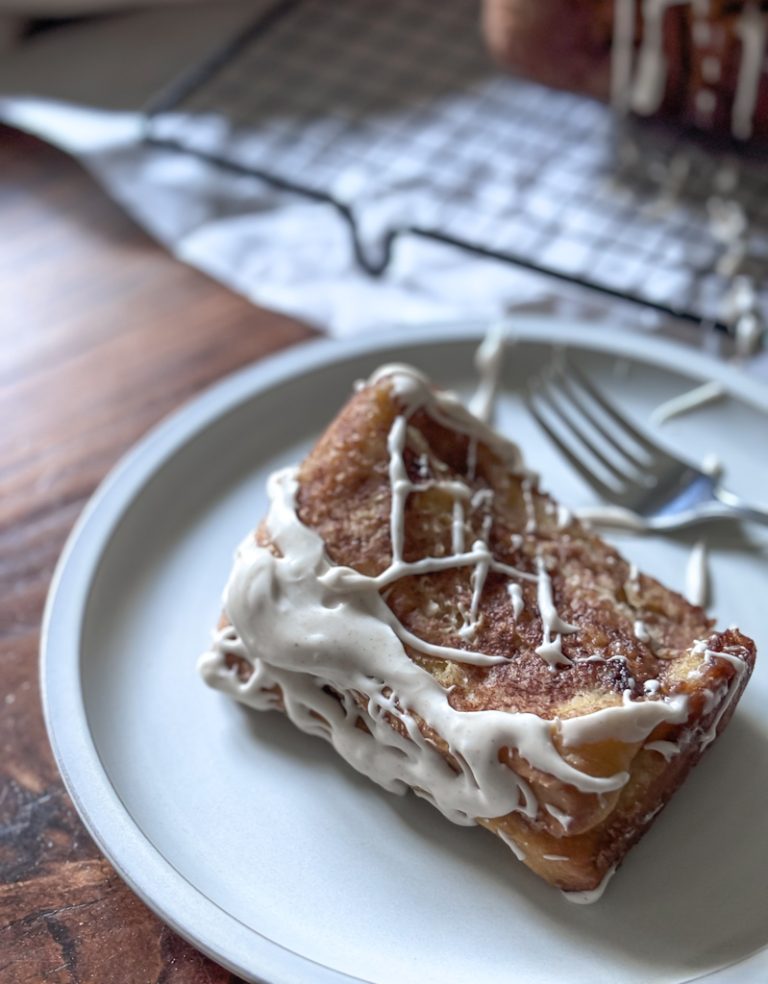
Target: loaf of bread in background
pixel 706 67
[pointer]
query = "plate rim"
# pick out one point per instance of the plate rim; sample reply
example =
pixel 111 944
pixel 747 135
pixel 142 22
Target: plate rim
pixel 118 836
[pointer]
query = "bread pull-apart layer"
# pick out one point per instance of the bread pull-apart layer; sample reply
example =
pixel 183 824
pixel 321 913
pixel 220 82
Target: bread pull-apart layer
pixel 414 598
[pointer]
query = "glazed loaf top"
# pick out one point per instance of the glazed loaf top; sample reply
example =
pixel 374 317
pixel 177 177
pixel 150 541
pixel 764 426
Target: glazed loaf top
pixel 701 62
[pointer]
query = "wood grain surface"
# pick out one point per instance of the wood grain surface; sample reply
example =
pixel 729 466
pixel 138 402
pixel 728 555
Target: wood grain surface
pixel 101 335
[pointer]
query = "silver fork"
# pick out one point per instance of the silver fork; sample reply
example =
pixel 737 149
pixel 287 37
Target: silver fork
pixel 649 486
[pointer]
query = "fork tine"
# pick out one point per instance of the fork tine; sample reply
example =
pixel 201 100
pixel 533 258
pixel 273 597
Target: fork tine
pixel 591 479
pixel 615 414
pixel 565 384
pixel 553 402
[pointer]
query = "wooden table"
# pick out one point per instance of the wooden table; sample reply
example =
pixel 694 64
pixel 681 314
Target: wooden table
pixel 101 335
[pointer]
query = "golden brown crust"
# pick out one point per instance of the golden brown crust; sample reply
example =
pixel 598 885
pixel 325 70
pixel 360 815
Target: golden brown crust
pixel 344 495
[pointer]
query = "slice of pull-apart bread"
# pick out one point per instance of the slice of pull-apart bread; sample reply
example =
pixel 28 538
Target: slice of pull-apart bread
pixel 414 598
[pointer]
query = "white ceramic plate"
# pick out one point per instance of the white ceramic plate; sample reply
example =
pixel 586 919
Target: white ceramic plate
pixel 262 847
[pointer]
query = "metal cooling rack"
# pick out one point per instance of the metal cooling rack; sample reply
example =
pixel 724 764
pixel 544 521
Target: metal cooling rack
pixel 392 114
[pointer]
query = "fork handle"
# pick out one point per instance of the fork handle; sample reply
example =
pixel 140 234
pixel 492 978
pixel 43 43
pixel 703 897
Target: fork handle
pixel 737 505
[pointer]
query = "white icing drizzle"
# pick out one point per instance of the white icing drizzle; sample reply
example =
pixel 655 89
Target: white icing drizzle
pixel 712 465
pixel 587 898
pixel 731 261
pixel 400 485
pixel 530 506
pixel 615 516
pixel 472 458
pixel 479 574
pixel 457 527
pixel 551 649
pixel 697 576
pixel 701 29
pixel 515 593
pixel 564 819
pixel 651 687
pixel 640 631
pixel 488 362
pixel 729 225
pixel 699 396
pixel 741 309
pixel 649 816
pixel 350 641
pixel 749 330
pixel 651 76
pixel 668 749
pixel 730 655
pixel 622 53
pixel 555 857
pixel 414 389
pixel 615 723
pixel 564 517
pixel 481 499
pixel 751 28
pixel 324 636
pixel 705 100
pixel 511 844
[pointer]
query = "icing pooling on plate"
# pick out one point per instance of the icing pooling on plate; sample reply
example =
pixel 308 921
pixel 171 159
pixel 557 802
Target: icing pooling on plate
pixel 325 637
pixel 697 576
pixel 699 396
pixel 587 898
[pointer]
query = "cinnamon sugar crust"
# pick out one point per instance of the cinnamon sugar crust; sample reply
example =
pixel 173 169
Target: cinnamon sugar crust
pixel 345 497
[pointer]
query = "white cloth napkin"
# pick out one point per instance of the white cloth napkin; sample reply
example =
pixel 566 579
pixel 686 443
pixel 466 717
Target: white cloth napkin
pixel 83 86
